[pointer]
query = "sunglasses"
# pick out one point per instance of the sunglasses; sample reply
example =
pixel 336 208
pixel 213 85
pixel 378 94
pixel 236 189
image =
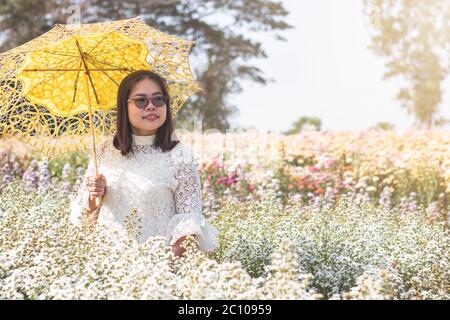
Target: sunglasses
pixel 142 102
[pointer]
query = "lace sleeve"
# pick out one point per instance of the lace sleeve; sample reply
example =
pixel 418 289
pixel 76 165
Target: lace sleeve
pixel 189 219
pixel 81 200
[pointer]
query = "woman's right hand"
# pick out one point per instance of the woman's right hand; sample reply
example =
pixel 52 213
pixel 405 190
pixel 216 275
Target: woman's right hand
pixel 96 186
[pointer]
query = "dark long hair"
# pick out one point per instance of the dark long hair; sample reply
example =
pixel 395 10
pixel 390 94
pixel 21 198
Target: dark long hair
pixel 122 139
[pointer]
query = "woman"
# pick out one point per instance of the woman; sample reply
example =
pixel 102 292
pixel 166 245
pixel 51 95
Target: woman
pixel 145 167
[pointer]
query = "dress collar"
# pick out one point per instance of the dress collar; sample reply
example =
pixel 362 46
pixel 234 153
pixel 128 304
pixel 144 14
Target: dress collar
pixel 143 140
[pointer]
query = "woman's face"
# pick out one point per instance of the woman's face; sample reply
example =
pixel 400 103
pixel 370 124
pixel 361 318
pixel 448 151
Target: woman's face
pixel 145 126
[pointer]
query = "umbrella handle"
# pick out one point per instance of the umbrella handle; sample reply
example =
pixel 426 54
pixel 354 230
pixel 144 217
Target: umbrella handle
pixel 98 201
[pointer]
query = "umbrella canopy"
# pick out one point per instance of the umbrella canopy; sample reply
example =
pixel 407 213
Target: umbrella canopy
pixel 59 90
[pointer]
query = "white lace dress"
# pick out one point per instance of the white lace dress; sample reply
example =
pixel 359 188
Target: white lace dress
pixel 164 187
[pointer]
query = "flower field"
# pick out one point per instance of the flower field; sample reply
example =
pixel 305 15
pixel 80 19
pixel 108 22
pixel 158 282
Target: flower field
pixel 319 215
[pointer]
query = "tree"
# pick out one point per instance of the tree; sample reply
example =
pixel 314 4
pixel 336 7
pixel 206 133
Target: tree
pixel 224 48
pixel 303 123
pixel 413 36
pixel 385 126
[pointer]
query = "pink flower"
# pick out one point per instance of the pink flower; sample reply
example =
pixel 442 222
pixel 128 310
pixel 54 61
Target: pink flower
pixel 221 180
pixel 234 174
pixel 217 164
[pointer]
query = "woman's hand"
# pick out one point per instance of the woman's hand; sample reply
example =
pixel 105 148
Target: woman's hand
pixel 177 249
pixel 96 186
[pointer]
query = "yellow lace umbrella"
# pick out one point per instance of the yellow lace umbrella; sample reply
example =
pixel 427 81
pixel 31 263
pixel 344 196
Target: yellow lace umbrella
pixel 59 90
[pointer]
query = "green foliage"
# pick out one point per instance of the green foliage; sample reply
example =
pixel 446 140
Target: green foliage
pixel 338 245
pixel 413 37
pixel 75 159
pixel 44 256
pixel 353 249
pixel 386 126
pixel 304 122
pixel 222 43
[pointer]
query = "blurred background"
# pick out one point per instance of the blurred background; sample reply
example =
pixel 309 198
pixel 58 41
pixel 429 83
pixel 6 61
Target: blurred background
pixel 287 66
pixel 349 162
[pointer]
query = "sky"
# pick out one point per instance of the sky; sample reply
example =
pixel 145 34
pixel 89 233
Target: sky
pixel 325 70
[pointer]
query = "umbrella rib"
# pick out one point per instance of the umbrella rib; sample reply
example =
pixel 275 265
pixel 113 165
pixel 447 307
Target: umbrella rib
pixel 43 81
pixel 75 85
pixel 86 70
pixel 71 105
pixel 64 65
pixel 61 54
pixel 112 65
pixel 117 49
pixel 98 43
pixel 104 72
